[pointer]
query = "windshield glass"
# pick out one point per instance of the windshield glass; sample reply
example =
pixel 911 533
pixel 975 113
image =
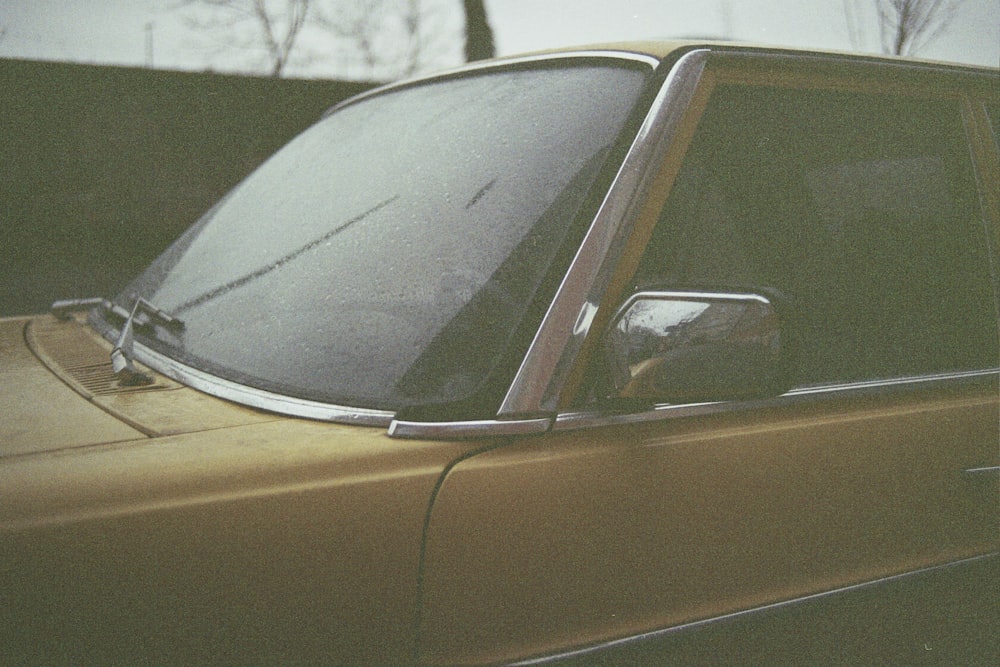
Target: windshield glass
pixel 386 256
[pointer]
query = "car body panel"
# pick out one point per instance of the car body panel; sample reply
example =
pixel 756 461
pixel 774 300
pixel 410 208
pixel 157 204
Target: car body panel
pixel 257 541
pixel 728 509
pixel 587 536
pixel 32 395
pixel 79 357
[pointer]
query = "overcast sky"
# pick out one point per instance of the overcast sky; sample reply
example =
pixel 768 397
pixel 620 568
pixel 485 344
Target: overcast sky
pixel 131 32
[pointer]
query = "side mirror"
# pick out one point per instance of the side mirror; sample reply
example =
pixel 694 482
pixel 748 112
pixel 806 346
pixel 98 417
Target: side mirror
pixel 686 347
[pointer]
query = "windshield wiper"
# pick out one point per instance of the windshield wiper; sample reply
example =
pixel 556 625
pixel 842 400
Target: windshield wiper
pixel 64 308
pixel 121 354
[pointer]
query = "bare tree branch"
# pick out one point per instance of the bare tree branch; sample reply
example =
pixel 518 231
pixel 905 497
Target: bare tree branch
pixel 271 25
pixel 906 26
pixel 358 22
pixel 375 39
pixel 280 40
pixel 902 27
pixel 391 38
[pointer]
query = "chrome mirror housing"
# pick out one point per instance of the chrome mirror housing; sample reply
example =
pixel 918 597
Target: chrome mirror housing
pixel 686 347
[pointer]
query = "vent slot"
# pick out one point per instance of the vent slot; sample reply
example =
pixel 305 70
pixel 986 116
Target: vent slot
pixel 81 359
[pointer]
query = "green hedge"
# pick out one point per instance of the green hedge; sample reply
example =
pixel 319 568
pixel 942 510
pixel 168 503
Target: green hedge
pixel 102 167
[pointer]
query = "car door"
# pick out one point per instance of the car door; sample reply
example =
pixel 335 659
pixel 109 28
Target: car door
pixel 848 195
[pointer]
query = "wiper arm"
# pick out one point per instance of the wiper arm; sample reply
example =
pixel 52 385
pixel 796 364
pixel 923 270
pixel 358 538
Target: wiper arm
pixel 121 354
pixel 66 307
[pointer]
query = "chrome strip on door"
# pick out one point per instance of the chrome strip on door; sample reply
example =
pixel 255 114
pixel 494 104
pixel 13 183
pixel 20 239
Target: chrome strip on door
pixel 801 396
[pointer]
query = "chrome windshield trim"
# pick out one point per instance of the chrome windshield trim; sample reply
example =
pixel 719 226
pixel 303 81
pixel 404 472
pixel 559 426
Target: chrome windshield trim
pixel 693 625
pixel 486 65
pixel 557 342
pixel 595 418
pixel 484 428
pixel 259 398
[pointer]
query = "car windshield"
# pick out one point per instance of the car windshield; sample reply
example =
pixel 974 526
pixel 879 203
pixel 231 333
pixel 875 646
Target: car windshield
pixel 389 255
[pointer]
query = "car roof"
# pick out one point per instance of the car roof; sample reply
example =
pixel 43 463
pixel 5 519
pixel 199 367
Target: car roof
pixel 664 49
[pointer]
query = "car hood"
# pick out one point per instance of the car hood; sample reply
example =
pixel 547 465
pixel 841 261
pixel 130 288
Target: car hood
pixel 170 522
pixel 58 391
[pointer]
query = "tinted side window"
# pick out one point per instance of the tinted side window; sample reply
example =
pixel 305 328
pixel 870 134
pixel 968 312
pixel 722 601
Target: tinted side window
pixel 860 210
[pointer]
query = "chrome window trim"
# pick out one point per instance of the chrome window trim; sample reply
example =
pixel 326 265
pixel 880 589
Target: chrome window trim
pixel 569 421
pixel 296 407
pixel 894 382
pixel 515 61
pixel 583 419
pixel 559 338
pixel 693 625
pixel 985 470
pixel 259 398
pixel 469 429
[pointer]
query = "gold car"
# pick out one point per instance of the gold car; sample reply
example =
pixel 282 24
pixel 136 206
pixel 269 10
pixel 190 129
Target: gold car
pixel 580 356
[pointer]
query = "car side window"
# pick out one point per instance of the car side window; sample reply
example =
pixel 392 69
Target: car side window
pixel 858 211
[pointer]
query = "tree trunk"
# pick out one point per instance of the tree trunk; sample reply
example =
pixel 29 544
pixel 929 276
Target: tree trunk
pixel 478 33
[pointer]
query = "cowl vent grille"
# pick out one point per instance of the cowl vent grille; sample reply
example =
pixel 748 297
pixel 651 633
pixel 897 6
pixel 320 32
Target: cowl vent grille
pixel 81 359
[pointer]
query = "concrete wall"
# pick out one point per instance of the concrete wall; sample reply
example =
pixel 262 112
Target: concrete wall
pixel 102 167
